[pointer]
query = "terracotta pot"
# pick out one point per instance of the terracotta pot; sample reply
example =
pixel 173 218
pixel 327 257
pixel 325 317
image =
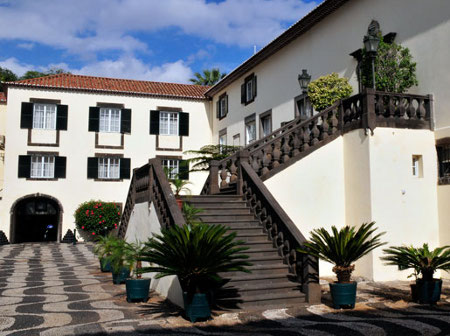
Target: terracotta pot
pixel 180 203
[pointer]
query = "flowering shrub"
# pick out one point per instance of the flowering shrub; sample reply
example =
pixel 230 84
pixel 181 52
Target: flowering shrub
pixel 97 217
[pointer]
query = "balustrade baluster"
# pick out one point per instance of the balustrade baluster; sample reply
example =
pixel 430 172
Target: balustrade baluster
pixel 334 122
pixel 255 163
pixel 276 154
pixel 223 175
pixel 391 107
pixel 306 138
pixel 296 142
pixel 286 149
pixel 421 111
pixel 315 133
pixel 233 170
pixel 325 126
pixel 267 158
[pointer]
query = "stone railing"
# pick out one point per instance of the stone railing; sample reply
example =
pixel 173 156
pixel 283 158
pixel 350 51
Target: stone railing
pixel 150 184
pixel 299 138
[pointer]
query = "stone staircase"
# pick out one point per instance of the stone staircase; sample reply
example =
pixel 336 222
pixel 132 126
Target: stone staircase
pixel 270 283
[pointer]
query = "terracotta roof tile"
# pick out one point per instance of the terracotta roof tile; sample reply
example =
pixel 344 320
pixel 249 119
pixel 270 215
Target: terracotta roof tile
pixel 78 82
pixel 2 97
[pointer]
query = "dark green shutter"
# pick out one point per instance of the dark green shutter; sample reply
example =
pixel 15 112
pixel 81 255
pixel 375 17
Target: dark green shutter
pixel 92 168
pixel 254 87
pixel 226 106
pixel 154 122
pixel 26 115
pixel 243 95
pixel 24 166
pixel 61 117
pixel 125 165
pixel 183 124
pixel 218 109
pixel 94 118
pixel 125 123
pixel 60 166
pixel 183 169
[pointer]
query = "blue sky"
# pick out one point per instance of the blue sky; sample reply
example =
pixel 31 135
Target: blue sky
pixel 160 40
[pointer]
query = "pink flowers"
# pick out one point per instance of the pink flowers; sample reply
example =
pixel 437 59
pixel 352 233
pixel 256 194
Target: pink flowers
pixel 82 228
pixel 93 233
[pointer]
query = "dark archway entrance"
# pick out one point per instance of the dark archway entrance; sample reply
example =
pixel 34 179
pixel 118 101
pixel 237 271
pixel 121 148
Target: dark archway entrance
pixel 36 219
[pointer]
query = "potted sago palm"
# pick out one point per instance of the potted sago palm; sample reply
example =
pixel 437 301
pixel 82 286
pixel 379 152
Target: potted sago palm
pixel 137 286
pixel 196 255
pixel 121 259
pixel 178 185
pixel 343 248
pixel 103 248
pixel 425 263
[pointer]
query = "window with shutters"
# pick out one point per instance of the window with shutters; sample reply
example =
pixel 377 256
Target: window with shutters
pixel 109 168
pixel 222 106
pixel 265 124
pixel 172 167
pixel 109 120
pixel 248 90
pixel 42 166
pixel 250 132
pixel 168 123
pixel 44 116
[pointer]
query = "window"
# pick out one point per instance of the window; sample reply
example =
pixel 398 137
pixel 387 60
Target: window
pixel 109 168
pixel 42 166
pixel 222 106
pixel 265 124
pixel 237 140
pixel 44 116
pixel 172 166
pixel 250 132
pixel 109 120
pixel 248 90
pixel 168 123
pixel 303 107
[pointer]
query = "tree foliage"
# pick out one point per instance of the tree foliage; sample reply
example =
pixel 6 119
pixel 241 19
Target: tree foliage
pixel 35 74
pixel 208 77
pixel 208 153
pixel 326 90
pixel 395 70
pixel 97 217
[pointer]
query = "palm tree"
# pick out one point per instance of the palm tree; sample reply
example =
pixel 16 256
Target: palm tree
pixel 209 77
pixel 206 154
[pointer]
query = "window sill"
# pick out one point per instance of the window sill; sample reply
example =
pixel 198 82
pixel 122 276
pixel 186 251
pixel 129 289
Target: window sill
pixel 108 180
pixel 42 179
pixel 222 117
pixel 444 181
pixel 249 102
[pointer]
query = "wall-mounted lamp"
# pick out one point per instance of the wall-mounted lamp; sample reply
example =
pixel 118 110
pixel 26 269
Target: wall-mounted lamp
pixel 303 79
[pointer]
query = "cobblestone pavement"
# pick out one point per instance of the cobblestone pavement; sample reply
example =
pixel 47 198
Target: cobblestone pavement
pixel 57 289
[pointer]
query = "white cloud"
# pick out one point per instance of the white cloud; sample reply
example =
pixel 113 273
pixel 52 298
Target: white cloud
pixel 27 46
pixel 124 67
pixel 86 26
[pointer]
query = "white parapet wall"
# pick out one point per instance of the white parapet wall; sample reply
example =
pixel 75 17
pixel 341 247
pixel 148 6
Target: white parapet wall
pixel 361 178
pixel 144 224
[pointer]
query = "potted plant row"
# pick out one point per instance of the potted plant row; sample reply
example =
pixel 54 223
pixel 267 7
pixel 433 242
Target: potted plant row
pixel 196 254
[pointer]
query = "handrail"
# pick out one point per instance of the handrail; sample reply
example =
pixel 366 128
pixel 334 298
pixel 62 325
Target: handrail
pixel 150 184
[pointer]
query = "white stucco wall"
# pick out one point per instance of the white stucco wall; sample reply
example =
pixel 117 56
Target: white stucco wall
pixel 358 178
pixel 422 26
pixel 2 152
pixel 77 144
pixel 144 224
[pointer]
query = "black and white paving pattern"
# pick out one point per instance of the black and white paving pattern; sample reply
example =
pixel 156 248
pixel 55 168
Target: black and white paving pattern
pixel 57 289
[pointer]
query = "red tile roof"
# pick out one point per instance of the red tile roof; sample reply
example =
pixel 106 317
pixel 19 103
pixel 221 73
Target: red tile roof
pixel 2 97
pixel 115 85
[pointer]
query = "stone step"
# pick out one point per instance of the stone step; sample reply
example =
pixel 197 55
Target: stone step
pixel 256 279
pixel 251 237
pixel 248 230
pixel 285 299
pixel 219 205
pixel 266 288
pixel 263 260
pixel 277 268
pixel 224 212
pixel 211 198
pixel 226 218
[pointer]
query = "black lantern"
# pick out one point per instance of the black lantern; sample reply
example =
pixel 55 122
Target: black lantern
pixel 303 79
pixel 371 43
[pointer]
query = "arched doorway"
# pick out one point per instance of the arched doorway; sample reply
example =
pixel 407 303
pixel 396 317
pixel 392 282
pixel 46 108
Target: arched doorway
pixel 36 218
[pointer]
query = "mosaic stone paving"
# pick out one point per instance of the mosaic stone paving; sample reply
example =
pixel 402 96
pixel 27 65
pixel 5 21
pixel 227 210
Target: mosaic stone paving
pixel 57 289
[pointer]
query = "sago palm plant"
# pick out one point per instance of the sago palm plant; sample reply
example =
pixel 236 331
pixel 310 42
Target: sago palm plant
pixel 421 259
pixel 343 247
pixel 196 255
pixel 121 256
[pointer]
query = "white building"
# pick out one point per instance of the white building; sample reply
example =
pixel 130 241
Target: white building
pixel 81 127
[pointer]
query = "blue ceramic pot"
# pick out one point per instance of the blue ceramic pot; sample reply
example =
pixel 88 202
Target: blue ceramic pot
pixel 198 307
pixel 428 292
pixel 119 278
pixel 137 289
pixel 343 294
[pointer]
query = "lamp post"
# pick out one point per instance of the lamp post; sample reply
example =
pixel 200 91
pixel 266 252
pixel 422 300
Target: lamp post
pixel 371 42
pixel 303 79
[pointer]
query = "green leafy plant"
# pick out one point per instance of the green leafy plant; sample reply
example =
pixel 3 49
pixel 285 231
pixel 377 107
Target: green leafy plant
pixel 326 90
pixel 421 259
pixel 209 77
pixel 178 185
pixel 191 214
pixel 122 255
pixel 104 244
pixel 97 217
pixel 208 153
pixel 196 255
pixel 395 70
pixel 137 251
pixel 343 247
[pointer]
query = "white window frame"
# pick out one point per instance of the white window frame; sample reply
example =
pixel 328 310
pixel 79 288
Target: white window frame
pixel 173 166
pixel 42 166
pixel 248 126
pixel 110 119
pixel 263 120
pixel 109 168
pixel 222 106
pixel 249 90
pixel 44 116
pixel 417 166
pixel 169 123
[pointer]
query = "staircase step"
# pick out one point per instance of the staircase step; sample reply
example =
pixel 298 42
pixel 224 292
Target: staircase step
pixel 266 301
pixel 256 279
pixel 263 260
pixel 212 198
pixel 251 237
pixel 278 268
pixel 247 230
pixel 266 288
pixel 219 205
pixel 228 217
pixel 224 212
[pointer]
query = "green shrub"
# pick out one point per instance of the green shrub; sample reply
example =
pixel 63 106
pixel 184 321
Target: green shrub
pixel 97 217
pixel 395 70
pixel 326 90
